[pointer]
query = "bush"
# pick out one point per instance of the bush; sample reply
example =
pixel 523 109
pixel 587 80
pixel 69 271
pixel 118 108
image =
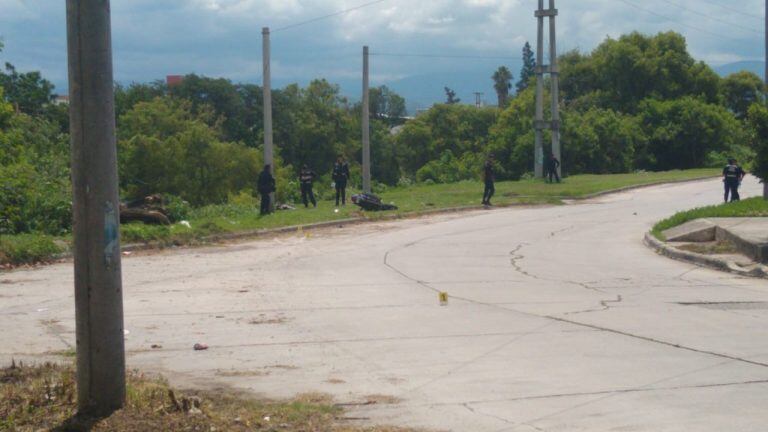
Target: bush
pixel 177 208
pixel 27 248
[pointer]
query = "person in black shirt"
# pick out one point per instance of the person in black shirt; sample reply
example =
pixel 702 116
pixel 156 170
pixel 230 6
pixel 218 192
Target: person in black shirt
pixel 550 167
pixel 732 176
pixel 265 186
pixel 306 177
pixel 340 177
pixel 489 177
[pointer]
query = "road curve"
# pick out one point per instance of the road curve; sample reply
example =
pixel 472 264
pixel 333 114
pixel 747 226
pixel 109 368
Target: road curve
pixel 559 319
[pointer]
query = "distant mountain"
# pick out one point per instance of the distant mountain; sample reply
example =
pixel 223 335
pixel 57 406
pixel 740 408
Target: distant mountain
pixel 423 91
pixel 756 67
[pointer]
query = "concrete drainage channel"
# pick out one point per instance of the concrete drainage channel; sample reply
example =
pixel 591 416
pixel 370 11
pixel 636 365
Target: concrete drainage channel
pixel 698 241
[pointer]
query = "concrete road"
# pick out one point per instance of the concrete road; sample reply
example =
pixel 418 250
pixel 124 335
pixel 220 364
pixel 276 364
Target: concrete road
pixel 559 319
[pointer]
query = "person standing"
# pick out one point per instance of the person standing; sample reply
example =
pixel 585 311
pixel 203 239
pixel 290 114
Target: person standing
pixel 306 178
pixel 489 177
pixel 551 167
pixel 732 176
pixel 265 186
pixel 340 177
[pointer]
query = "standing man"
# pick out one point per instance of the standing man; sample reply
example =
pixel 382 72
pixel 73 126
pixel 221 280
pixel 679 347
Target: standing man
pixel 340 177
pixel 265 186
pixel 732 176
pixel 550 166
pixel 489 177
pixel 306 178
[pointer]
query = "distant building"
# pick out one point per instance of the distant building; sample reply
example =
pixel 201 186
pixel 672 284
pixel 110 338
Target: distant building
pixel 174 80
pixel 61 100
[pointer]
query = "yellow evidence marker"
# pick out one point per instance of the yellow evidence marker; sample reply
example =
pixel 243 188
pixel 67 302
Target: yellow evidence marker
pixel 443 298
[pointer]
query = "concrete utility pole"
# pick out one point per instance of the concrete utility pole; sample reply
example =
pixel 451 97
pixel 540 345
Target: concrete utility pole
pixel 554 73
pixel 538 158
pixel 542 69
pixel 479 99
pixel 765 184
pixel 267 97
pixel 366 127
pixel 96 231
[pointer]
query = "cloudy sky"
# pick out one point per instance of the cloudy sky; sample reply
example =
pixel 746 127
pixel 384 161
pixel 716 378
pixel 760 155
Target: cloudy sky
pixel 153 38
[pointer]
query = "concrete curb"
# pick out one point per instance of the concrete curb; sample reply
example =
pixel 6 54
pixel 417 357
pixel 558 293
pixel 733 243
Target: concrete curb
pixel 701 260
pixel 254 234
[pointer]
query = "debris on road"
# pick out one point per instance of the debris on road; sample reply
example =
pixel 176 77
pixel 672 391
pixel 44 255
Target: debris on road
pixel 200 347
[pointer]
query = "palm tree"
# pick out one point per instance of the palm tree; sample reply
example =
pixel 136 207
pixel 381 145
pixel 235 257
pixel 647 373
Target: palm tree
pixel 502 83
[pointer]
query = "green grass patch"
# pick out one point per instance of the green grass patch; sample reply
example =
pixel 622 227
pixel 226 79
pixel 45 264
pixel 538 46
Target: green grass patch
pixel 243 215
pixel 752 207
pixel 44 398
pixel 28 248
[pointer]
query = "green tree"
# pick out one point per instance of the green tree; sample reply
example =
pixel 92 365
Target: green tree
pixel 502 83
pixel 600 141
pixel 34 174
pixel 126 97
pixel 225 99
pixel 528 71
pixel 683 132
pixel 740 90
pixel 167 147
pixel 28 92
pixel 385 104
pixel 621 73
pixel 757 118
pixel 450 96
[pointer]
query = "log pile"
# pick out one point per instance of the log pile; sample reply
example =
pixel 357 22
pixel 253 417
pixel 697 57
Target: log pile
pixel 150 210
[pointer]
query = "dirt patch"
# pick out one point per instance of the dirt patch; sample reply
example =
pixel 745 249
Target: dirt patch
pixel 710 248
pixel 44 398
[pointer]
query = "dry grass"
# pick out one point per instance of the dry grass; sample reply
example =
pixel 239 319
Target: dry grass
pixel 710 248
pixel 44 398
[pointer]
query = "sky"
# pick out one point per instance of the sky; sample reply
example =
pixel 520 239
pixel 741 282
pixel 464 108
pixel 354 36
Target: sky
pixel 222 38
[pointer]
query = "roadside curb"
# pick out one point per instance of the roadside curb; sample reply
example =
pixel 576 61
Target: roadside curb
pixel 702 260
pixel 341 223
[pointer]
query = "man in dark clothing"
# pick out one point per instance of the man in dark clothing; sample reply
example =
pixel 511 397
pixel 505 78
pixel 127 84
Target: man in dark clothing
pixel 732 176
pixel 306 177
pixel 265 186
pixel 489 177
pixel 550 167
pixel 340 177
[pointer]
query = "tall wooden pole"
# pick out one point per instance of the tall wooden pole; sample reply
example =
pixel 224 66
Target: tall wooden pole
pixel 267 98
pixel 96 231
pixel 366 127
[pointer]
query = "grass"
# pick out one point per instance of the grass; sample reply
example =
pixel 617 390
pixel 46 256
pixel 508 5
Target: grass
pixel 752 207
pixel 27 248
pixel 44 398
pixel 229 218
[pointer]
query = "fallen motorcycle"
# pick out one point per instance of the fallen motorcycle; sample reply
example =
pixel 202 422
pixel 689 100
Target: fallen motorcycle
pixel 370 202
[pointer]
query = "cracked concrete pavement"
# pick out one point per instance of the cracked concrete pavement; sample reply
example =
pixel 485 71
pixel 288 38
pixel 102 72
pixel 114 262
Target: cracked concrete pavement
pixel 559 319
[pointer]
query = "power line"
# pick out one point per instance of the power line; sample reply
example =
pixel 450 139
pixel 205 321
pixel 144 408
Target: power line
pixel 629 3
pixel 711 17
pixel 734 10
pixel 331 15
